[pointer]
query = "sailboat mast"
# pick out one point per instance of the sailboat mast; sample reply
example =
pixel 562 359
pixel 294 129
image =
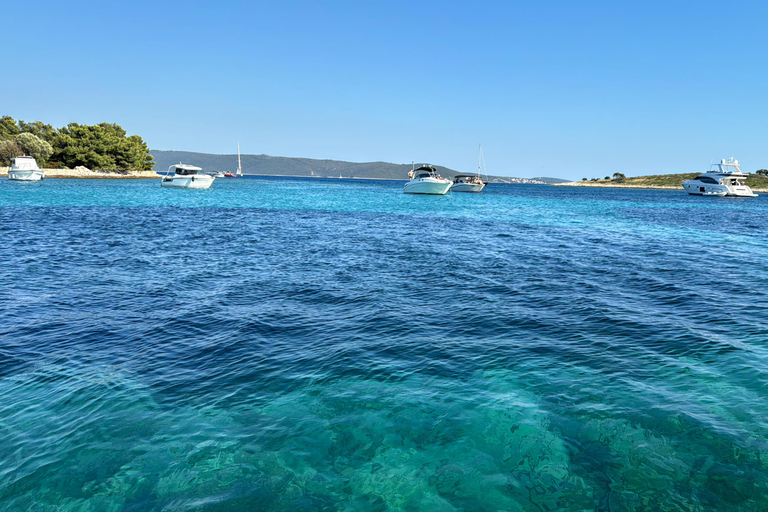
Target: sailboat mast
pixel 239 167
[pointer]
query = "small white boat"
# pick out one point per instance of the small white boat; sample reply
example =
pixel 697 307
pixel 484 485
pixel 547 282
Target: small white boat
pixel 470 182
pixel 24 168
pixel 219 174
pixel 186 176
pixel 425 180
pixel 723 179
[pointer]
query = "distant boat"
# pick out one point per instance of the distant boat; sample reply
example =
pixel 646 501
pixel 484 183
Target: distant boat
pixel 24 168
pixel 219 174
pixel 239 171
pixel 425 180
pixel 470 182
pixel 723 179
pixel 186 176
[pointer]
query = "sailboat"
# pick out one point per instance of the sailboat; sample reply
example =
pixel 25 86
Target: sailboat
pixel 239 171
pixel 470 182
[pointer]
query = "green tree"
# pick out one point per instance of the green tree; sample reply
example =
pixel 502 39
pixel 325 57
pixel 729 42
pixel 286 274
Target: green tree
pixel 35 147
pixel 102 146
pixel 762 172
pixel 8 128
pixel 9 149
pixel 618 176
pixel 45 132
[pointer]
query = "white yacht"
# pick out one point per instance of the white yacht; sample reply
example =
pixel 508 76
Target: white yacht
pixel 186 176
pixel 425 180
pixel 470 182
pixel 24 168
pixel 723 179
pixel 467 183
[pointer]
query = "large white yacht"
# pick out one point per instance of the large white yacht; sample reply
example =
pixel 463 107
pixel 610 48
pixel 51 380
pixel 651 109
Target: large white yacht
pixel 186 176
pixel 723 179
pixel 24 168
pixel 425 180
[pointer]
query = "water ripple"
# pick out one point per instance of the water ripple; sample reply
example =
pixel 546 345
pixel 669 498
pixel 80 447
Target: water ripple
pixel 333 345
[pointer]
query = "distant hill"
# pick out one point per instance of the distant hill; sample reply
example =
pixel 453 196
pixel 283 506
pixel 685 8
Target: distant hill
pixel 287 166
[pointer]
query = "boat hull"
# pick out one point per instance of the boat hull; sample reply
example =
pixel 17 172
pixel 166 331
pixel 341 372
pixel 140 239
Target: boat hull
pixel 433 187
pixel 697 188
pixel 25 175
pixel 197 181
pixel 467 187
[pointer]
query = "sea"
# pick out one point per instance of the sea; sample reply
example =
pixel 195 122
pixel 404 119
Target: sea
pixel 300 344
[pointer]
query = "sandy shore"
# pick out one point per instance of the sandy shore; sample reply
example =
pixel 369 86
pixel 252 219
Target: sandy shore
pixel 82 172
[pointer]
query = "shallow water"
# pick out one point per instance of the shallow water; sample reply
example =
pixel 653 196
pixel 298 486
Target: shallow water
pixel 319 344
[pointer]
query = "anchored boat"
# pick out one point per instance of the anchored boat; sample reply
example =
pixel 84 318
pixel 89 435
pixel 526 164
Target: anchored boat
pixel 723 179
pixel 24 168
pixel 186 176
pixel 425 180
pixel 470 182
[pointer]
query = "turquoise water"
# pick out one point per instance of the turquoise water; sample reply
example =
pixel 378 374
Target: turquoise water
pixel 318 344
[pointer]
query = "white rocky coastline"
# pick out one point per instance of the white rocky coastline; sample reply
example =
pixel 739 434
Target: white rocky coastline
pixel 84 172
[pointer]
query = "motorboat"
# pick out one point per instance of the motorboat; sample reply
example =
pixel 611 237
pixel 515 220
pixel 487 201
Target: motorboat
pixel 723 179
pixel 24 168
pixel 425 180
pixel 186 176
pixel 219 174
pixel 470 182
pixel 467 183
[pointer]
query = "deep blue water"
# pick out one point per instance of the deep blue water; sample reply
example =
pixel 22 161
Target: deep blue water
pixel 318 344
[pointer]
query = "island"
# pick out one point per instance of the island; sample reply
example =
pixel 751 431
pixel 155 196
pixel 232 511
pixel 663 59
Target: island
pixel 758 181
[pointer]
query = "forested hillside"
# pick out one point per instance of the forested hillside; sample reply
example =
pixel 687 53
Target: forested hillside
pixel 287 166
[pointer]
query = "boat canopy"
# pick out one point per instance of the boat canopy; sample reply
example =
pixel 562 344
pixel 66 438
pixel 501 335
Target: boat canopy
pixel 183 169
pixel 24 163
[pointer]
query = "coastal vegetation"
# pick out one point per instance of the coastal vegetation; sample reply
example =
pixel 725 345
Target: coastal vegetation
pixel 105 146
pixel 756 181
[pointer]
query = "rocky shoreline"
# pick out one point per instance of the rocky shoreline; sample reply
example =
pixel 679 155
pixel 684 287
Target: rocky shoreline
pixel 612 185
pixel 616 185
pixel 84 172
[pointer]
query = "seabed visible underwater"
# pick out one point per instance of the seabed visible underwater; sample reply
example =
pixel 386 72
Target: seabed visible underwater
pixel 316 344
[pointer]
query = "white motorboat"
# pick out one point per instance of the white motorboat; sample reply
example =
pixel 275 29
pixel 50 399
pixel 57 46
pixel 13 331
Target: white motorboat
pixel 219 174
pixel 186 176
pixel 470 182
pixel 425 180
pixel 467 183
pixel 24 168
pixel 723 179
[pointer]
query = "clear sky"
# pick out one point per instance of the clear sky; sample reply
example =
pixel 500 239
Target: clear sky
pixel 551 88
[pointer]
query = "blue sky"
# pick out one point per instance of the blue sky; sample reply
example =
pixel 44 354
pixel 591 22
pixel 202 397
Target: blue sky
pixel 562 89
